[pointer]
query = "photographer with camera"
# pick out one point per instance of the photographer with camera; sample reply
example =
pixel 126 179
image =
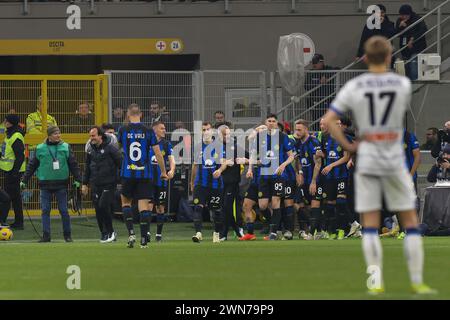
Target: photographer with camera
pixel 441 170
pixel 442 141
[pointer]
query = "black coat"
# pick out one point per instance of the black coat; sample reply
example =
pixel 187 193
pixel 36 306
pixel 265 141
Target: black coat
pixel 416 32
pixel 102 165
pixel 387 30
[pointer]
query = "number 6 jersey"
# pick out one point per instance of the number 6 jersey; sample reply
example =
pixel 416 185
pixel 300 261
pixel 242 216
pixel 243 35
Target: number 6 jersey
pixel 136 140
pixel 378 102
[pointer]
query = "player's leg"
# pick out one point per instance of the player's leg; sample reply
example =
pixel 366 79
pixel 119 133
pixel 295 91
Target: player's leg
pixel 368 198
pixel 288 212
pixel 277 189
pixel 126 196
pixel 342 214
pixel 330 207
pixel 264 194
pixel 250 199
pixel 215 205
pixel 401 197
pixel 200 196
pixel 144 195
pixel 160 203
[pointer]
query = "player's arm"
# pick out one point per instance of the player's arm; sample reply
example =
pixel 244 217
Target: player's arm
pixel 317 165
pixel 160 159
pixel 193 175
pixel 416 163
pixel 345 158
pixel 330 119
pixel 299 178
pixel 222 168
pixel 288 161
pixel 172 166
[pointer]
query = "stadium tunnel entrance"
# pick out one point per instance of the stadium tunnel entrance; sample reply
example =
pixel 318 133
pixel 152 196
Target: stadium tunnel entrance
pixel 95 64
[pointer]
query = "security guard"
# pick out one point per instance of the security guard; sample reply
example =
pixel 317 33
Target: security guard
pixel 12 164
pixel 34 120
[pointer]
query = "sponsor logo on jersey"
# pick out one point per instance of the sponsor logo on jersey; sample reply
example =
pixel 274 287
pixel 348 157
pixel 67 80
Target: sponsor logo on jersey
pixel 135 167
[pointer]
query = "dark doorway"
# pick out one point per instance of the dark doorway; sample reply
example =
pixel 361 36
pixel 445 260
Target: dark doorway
pixel 95 64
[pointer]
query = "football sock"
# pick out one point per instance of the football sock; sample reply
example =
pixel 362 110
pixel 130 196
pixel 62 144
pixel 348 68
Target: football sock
pixel 331 217
pixel 373 252
pixel 315 219
pixel 128 216
pixel 198 217
pixel 275 221
pixel 218 221
pixel 266 215
pixel 302 216
pixel 160 218
pixel 145 217
pixel 289 218
pixel 413 249
pixel 342 214
pixel 250 227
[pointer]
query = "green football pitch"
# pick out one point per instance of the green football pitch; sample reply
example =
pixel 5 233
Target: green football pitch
pixel 181 269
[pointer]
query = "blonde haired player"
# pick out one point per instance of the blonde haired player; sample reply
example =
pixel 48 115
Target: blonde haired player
pixel 378 101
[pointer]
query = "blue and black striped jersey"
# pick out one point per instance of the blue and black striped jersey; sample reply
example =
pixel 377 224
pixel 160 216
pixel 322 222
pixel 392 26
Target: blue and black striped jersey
pixel 206 165
pixel 333 152
pixel 410 143
pixel 136 140
pixel 271 153
pixel 166 149
pixel 290 169
pixel 306 152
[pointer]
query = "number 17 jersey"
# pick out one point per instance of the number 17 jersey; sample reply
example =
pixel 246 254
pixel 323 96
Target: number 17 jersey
pixel 136 140
pixel 378 102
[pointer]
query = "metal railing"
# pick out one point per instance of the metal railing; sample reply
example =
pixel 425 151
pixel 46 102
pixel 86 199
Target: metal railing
pixel 293 110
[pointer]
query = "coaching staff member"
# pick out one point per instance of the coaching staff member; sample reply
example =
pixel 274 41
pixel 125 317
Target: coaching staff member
pixel 54 161
pixel 12 164
pixel 103 161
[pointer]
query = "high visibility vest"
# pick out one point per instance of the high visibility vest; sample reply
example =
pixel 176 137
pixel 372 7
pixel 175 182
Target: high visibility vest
pixel 8 156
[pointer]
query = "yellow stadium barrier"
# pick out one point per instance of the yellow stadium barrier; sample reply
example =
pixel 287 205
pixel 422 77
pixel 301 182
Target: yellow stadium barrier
pixel 74 102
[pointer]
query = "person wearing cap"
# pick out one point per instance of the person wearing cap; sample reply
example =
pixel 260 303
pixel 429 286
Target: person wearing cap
pixel 386 29
pixel 12 165
pixel 441 170
pixel 54 161
pixel 319 79
pixel 412 40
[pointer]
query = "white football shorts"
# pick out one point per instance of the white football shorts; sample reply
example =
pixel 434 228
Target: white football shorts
pixel 396 188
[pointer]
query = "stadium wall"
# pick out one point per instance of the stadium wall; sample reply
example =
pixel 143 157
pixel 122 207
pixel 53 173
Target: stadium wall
pixel 246 38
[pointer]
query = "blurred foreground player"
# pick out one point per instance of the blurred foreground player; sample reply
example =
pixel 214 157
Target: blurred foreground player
pixel 378 101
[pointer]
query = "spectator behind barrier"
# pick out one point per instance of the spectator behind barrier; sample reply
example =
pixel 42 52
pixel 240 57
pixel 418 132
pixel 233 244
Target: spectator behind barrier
pixel 83 120
pixel 442 140
pixel 431 138
pixel 322 96
pixel 441 170
pixel 387 30
pixel 34 120
pixel 118 117
pixel 412 38
pixel 157 113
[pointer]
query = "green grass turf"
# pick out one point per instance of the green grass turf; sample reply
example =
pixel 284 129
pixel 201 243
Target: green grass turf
pixel 181 269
